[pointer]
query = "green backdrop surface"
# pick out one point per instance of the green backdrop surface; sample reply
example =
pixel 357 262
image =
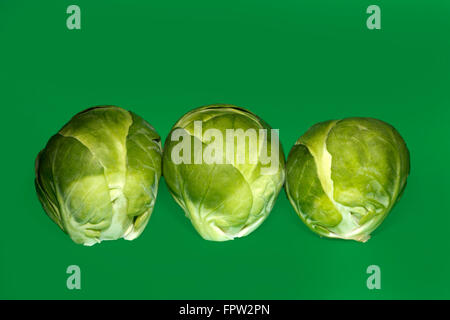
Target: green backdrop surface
pixel 294 63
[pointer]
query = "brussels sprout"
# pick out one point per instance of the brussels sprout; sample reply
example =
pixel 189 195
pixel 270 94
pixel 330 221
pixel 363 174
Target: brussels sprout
pixel 97 178
pixel 344 176
pixel 226 171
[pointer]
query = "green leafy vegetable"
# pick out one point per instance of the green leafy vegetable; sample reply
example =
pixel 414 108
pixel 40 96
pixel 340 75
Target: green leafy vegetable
pixel 224 199
pixel 97 178
pixel 344 176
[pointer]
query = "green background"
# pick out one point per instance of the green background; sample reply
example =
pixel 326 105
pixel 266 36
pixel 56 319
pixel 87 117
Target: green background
pixel 294 63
